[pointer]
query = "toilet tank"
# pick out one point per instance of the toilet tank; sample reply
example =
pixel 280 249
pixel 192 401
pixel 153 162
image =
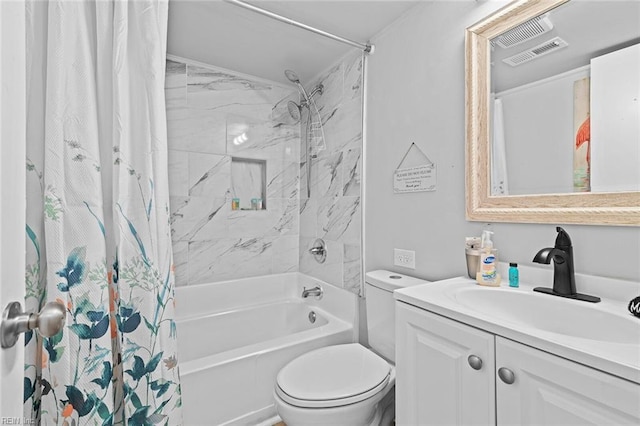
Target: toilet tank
pixel 381 326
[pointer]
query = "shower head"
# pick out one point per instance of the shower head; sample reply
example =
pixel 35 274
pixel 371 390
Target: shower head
pixel 292 76
pixel 306 98
pixel 294 110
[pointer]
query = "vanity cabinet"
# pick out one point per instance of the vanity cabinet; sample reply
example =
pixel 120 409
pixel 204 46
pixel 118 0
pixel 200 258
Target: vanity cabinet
pixel 439 379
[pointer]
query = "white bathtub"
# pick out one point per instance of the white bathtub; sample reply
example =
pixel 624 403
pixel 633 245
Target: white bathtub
pixel 234 337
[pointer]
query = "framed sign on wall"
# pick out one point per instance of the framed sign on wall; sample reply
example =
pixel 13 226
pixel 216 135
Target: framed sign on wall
pixel 417 178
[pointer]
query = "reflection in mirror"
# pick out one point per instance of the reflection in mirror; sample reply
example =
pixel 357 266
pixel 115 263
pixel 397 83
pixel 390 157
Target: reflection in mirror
pixel 565 101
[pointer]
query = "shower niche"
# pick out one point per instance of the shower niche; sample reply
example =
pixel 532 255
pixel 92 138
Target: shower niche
pixel 248 184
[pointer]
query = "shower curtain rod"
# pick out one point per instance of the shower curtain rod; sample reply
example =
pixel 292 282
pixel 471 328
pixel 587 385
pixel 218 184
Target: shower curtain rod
pixel 368 48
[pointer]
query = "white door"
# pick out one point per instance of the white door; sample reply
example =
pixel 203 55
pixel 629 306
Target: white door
pixel 615 121
pixel 549 390
pixel 12 196
pixel 436 381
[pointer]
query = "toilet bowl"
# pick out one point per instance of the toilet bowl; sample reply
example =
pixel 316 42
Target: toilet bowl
pixel 348 385
pixel 338 385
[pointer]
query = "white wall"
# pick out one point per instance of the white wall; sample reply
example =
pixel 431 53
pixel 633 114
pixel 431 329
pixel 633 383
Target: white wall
pixel 415 92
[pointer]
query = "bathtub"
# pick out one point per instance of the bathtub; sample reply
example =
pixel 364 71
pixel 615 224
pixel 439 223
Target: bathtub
pixel 234 337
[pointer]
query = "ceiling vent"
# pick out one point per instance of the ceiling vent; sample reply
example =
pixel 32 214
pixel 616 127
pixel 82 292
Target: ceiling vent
pixel 540 50
pixel 523 32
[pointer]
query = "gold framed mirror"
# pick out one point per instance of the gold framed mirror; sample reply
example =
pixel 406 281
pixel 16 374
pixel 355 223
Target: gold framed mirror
pixel 596 208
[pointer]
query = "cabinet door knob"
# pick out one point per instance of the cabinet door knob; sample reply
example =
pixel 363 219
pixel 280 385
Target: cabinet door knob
pixel 506 375
pixel 475 362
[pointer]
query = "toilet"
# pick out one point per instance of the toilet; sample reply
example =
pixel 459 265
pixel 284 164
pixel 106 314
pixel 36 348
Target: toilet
pixel 348 384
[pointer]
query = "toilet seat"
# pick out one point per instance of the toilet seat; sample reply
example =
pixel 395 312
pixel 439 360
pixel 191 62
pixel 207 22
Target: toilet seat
pixel 332 376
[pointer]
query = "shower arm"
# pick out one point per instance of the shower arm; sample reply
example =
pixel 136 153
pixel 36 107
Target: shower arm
pixel 318 89
pixel 307 97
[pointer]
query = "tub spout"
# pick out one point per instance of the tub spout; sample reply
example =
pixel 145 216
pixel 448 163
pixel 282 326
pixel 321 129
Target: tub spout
pixel 315 291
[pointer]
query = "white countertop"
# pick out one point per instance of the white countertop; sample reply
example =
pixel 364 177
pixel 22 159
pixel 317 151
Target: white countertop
pixel 619 359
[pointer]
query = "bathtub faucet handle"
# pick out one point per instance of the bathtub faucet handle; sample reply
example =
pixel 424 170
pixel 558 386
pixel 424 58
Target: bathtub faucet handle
pixel 315 291
pixel 316 250
pixel 319 250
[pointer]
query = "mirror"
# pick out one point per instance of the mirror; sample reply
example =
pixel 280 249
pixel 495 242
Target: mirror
pixel 553 113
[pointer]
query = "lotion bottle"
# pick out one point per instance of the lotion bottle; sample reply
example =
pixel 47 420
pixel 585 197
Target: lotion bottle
pixel 487 273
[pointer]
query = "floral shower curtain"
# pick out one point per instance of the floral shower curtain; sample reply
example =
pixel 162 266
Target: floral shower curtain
pixel 98 232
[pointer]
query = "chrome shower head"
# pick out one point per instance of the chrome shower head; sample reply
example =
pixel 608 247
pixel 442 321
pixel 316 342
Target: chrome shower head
pixel 306 99
pixel 292 76
pixel 294 110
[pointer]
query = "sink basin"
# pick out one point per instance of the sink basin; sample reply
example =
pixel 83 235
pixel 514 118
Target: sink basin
pixel 551 314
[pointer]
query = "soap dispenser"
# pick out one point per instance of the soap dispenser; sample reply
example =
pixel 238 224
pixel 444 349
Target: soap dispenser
pixel 487 272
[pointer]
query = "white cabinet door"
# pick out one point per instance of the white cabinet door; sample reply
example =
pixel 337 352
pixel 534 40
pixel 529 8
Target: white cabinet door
pixel 435 384
pixel 549 390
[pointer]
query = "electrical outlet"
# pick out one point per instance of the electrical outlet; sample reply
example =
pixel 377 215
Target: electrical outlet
pixel 404 258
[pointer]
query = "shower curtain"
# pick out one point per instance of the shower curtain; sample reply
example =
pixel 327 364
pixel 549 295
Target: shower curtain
pixel 98 232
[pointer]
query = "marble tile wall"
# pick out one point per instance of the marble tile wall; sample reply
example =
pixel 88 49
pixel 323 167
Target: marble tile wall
pixel 207 108
pixel 333 209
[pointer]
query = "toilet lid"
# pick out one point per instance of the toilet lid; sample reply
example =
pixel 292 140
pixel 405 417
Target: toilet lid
pixel 332 376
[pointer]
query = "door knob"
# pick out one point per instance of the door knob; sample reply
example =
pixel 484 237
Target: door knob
pixel 475 362
pixel 49 322
pixel 506 375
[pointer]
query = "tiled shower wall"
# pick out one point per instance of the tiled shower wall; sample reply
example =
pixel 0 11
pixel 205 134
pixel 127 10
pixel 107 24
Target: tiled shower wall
pixel 207 109
pixel 333 210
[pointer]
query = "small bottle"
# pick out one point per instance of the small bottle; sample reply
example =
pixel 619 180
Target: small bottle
pixel 235 204
pixel 514 275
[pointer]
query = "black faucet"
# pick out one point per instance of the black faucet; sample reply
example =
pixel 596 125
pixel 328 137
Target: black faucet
pixel 564 280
